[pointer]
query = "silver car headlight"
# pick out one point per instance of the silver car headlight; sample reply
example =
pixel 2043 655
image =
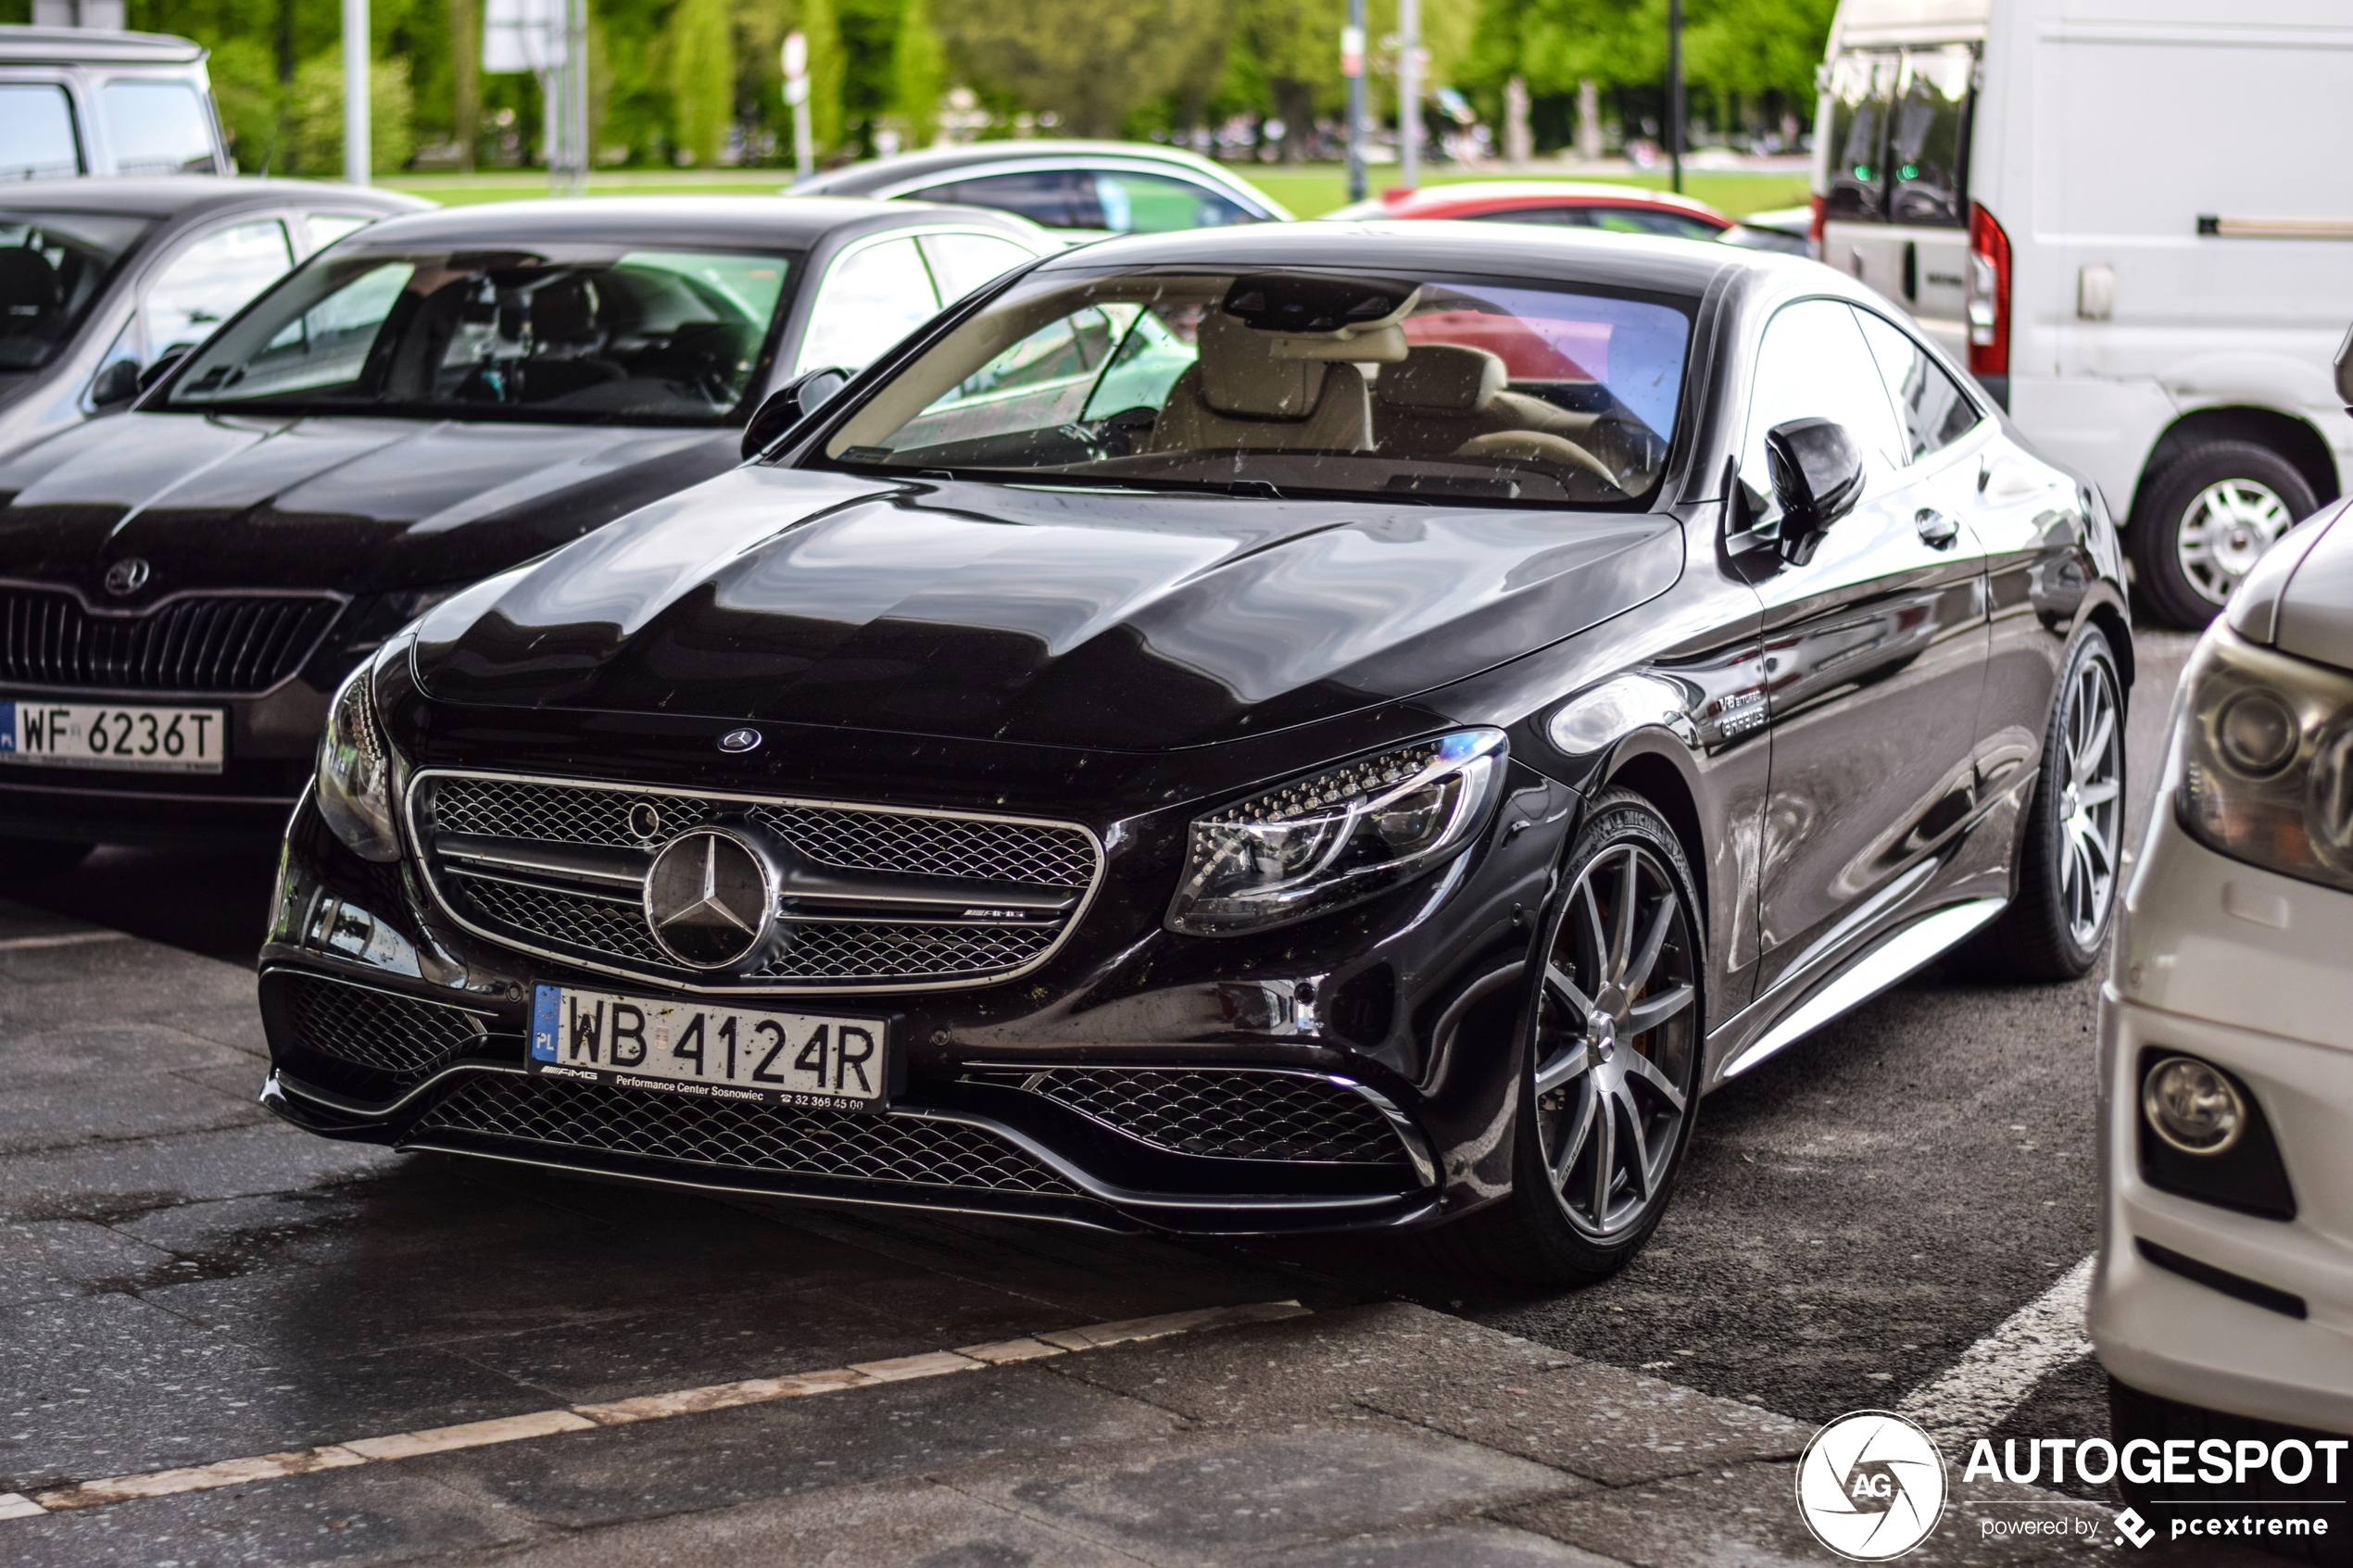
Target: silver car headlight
pixel 2262 758
pixel 1333 838
pixel 358 772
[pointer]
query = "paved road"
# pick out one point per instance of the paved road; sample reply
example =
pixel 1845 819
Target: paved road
pixel 183 1280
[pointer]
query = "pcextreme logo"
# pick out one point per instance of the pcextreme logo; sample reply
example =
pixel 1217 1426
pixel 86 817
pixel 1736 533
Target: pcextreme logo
pixel 1870 1485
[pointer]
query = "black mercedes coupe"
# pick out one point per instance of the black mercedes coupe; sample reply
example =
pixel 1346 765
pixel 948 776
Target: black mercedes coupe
pixel 1291 729
pixel 433 399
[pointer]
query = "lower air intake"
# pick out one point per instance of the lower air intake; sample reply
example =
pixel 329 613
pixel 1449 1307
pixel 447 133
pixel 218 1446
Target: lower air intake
pixel 374 1029
pixel 1224 1114
pixel 850 1145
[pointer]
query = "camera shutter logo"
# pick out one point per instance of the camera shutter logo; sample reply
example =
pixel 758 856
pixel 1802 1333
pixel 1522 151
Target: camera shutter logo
pixel 1870 1485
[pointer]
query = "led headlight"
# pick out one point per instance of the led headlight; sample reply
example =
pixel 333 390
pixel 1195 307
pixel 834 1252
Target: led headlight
pixel 1335 837
pixel 2262 758
pixel 357 770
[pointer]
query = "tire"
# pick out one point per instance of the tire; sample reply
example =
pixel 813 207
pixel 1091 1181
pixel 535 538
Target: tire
pixel 41 857
pixel 2070 853
pixel 2132 1415
pixel 2203 519
pixel 1610 1042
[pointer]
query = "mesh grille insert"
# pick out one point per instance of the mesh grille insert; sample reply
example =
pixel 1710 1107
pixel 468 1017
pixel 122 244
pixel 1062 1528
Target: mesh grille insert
pixel 1227 1115
pixel 810 1143
pixel 395 1034
pixel 842 953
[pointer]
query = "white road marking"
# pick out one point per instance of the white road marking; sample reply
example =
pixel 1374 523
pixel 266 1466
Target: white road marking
pixel 62 939
pixel 651 1407
pixel 1995 1375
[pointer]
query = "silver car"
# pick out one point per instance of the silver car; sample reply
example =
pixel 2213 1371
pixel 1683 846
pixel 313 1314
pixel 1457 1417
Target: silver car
pixel 1082 190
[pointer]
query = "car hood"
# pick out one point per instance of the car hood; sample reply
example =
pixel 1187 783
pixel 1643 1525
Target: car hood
pixel 355 505
pixel 1084 618
pixel 2315 617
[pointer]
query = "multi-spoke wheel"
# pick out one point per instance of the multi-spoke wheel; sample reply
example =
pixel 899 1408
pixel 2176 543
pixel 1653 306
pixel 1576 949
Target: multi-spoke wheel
pixel 2072 849
pixel 2203 519
pixel 1612 1060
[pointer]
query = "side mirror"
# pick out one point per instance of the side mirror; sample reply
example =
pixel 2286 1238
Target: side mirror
pixel 164 363
pixel 2345 370
pixel 788 405
pixel 1818 477
pixel 116 385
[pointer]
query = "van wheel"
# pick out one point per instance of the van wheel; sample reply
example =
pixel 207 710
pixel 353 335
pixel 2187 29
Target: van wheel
pixel 1609 1072
pixel 2202 521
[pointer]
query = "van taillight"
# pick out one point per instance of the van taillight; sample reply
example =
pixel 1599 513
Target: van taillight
pixel 1988 295
pixel 1814 228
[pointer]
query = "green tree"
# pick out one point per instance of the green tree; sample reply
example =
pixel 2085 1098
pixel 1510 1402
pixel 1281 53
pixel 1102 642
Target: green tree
pixel 828 68
pixel 1090 61
pixel 252 100
pixel 314 120
pixel 702 77
pixel 919 70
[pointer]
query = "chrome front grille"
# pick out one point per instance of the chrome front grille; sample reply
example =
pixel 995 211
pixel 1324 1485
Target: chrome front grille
pixel 912 1150
pixel 1222 1113
pixel 216 644
pixel 895 899
pixel 400 1036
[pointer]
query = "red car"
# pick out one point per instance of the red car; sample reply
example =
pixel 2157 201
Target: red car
pixel 1626 209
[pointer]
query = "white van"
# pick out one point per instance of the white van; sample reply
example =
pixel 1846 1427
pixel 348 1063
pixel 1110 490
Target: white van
pixel 2134 218
pixel 85 100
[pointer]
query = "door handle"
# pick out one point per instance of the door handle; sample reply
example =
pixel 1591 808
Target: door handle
pixel 1937 531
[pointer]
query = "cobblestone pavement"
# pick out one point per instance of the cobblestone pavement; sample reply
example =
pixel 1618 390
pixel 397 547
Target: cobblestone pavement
pixel 186 1282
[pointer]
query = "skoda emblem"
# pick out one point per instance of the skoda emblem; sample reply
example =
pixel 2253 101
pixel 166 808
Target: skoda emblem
pixel 739 740
pixel 127 576
pixel 645 820
pixel 709 900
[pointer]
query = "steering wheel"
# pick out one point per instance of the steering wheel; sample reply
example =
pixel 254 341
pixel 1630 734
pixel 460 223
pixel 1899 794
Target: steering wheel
pixel 1536 447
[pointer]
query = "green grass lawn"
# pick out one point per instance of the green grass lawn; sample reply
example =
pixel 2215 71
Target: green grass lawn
pixel 1307 190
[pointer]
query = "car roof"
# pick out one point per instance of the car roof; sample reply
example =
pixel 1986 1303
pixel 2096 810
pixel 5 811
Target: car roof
pixel 1564 192
pixel 1533 252
pixel 170 195
pixel 797 222
pixel 73 46
pixel 879 174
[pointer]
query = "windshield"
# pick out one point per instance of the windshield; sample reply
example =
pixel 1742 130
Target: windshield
pixel 1444 388
pixel 559 334
pixel 52 267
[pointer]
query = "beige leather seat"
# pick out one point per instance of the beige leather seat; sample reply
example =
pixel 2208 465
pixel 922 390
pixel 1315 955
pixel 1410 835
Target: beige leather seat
pixel 1447 400
pixel 1239 396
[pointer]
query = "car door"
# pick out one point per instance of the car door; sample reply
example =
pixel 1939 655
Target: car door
pixel 208 279
pixel 873 293
pixel 1874 656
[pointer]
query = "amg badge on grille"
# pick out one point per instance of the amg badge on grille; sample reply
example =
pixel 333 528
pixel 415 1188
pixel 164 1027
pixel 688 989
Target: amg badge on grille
pixel 709 900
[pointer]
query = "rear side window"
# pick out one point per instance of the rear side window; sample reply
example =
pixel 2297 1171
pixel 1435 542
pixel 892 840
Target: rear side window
pixel 1933 408
pixel 158 127
pixel 1158 204
pixel 1052 198
pixel 36 133
pixel 207 283
pixel 961 263
pixel 1899 134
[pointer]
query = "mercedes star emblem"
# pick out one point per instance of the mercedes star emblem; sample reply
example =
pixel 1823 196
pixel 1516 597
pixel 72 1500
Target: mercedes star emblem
pixel 739 740
pixel 127 576
pixel 709 900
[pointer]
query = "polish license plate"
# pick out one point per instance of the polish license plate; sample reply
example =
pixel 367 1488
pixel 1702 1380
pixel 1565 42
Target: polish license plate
pixel 711 1052
pixel 86 735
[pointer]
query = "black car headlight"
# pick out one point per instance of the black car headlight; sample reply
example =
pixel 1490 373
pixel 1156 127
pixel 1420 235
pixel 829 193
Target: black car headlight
pixel 358 772
pixel 2262 762
pixel 1329 840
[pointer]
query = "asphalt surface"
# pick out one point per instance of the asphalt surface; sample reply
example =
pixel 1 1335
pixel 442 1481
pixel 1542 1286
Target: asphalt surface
pixel 185 1280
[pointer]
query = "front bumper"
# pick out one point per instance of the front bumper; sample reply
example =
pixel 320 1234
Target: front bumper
pixel 2246 969
pixel 1361 1079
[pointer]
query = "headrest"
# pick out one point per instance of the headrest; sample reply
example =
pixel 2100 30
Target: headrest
pixel 564 309
pixel 1241 376
pixel 1443 377
pixel 27 287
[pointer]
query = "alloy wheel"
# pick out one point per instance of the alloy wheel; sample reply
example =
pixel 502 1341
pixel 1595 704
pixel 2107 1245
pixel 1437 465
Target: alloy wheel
pixel 1615 1040
pixel 2225 529
pixel 2091 804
